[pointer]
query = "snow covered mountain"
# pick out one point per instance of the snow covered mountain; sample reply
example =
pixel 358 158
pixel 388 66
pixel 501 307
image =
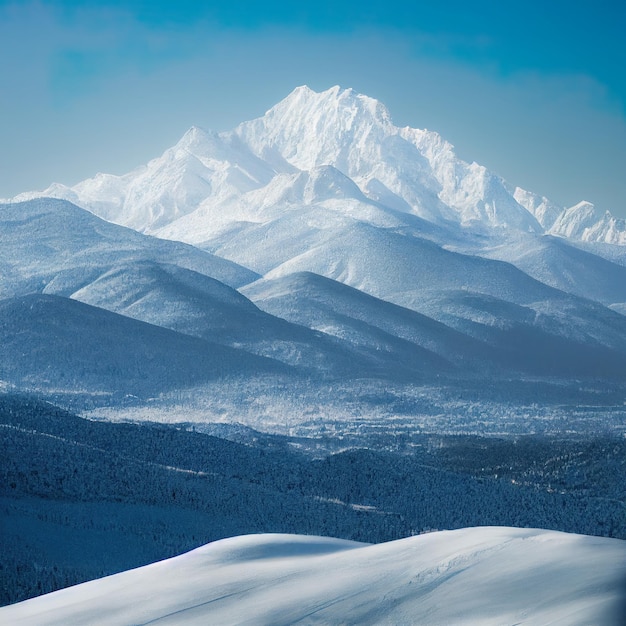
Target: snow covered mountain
pixel 487 576
pixel 450 267
pixel 324 182
pixel 54 245
pixel 315 149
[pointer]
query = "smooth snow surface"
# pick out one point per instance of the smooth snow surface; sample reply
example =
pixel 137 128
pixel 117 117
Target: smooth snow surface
pixel 486 576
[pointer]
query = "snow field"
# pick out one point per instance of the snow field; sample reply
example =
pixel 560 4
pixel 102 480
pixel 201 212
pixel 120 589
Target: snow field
pixel 485 575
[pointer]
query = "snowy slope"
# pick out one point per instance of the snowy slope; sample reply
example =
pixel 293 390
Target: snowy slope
pixel 342 311
pixel 418 274
pixel 53 247
pixel 557 336
pixel 195 304
pixel 556 262
pixel 487 576
pixel 405 269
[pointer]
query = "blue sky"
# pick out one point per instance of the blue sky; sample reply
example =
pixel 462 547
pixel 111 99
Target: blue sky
pixel 536 91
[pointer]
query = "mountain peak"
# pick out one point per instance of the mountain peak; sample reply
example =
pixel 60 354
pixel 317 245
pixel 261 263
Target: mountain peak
pixel 586 222
pixel 310 128
pixel 196 137
pixel 196 131
pixel 333 99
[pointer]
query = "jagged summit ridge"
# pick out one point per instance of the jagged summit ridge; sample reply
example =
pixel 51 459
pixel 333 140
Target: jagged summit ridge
pixel 210 182
pixel 310 129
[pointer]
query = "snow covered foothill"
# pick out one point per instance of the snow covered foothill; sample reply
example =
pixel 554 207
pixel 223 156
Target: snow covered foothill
pixel 342 311
pixel 482 575
pixel 54 241
pixel 55 248
pixel 558 263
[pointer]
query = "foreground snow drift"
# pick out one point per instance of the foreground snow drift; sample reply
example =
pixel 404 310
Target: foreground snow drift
pixel 471 576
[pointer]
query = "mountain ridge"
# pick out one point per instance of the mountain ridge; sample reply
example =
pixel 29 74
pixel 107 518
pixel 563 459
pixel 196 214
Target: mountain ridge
pixel 325 184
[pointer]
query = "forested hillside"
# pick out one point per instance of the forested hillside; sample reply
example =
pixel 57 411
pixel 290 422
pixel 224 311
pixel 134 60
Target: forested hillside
pixel 81 499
